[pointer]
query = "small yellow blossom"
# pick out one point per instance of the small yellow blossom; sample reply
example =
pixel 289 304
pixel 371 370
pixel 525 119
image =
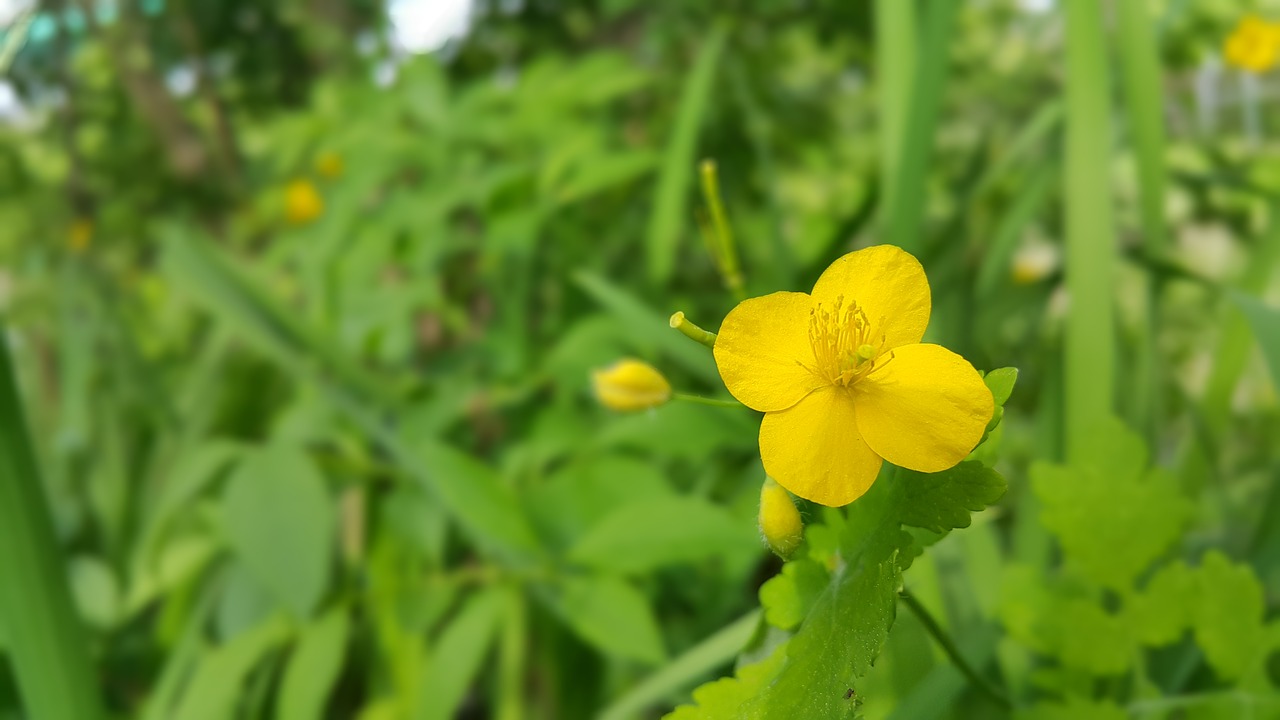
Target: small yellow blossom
pixel 630 385
pixel 329 165
pixel 780 522
pixel 302 202
pixel 845 382
pixel 80 235
pixel 1254 45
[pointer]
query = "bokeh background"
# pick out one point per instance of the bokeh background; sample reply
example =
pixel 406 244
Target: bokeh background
pixel 303 298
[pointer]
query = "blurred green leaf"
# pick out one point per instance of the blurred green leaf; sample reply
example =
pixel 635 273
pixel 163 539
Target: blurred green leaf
pixel 280 522
pixel 1228 616
pixel 217 686
pixel 457 655
pixel 1111 514
pixel 648 534
pixel 1265 322
pixel 671 198
pixel 610 614
pixel 728 697
pixel 313 668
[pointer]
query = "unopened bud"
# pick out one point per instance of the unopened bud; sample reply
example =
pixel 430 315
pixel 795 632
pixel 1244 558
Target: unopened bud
pixel 780 522
pixel 630 385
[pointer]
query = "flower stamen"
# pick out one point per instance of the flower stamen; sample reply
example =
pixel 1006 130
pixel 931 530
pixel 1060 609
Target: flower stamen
pixel 844 344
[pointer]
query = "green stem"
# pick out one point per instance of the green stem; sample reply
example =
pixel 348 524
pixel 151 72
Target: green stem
pixel 691 331
pixel 706 401
pixel 949 647
pixel 45 640
pixel 1090 230
pixel 724 249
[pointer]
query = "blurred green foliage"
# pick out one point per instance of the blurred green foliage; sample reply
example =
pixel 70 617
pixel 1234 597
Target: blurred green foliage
pixel 349 466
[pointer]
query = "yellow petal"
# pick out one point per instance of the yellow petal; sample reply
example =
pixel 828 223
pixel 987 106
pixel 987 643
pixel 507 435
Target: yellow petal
pixel 762 350
pixel 924 409
pixel 813 449
pixel 888 283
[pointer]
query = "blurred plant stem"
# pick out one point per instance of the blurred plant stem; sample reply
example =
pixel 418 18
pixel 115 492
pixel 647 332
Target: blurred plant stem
pixel 944 641
pixel 718 235
pixel 44 638
pixel 706 401
pixel 1090 234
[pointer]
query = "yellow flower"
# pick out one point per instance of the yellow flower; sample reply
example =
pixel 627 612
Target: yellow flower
pixel 1254 45
pixel 845 382
pixel 80 235
pixel 780 522
pixel 630 385
pixel 329 165
pixel 302 202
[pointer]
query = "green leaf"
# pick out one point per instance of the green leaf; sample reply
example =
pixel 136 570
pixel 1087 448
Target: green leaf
pixel 724 699
pixel 217 686
pixel 314 667
pixel 479 499
pixel 612 615
pixel 1087 638
pixel 1265 322
pixel 1161 612
pixel 670 210
pixel 457 655
pixel 280 522
pixel 696 662
pixel 1111 515
pixel 648 534
pixel 1001 382
pixel 1228 616
pixel 942 501
pixel 788 596
pixel 847 628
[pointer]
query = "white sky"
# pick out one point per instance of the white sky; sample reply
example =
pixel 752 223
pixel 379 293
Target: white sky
pixel 425 25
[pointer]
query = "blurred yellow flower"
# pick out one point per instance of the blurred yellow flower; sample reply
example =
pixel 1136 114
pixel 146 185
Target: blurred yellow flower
pixel 329 165
pixel 780 522
pixel 80 235
pixel 302 202
pixel 845 382
pixel 1033 263
pixel 630 385
pixel 1254 45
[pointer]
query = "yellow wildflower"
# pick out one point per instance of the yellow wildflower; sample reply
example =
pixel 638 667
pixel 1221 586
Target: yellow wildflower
pixel 630 385
pixel 845 382
pixel 80 235
pixel 780 522
pixel 1254 45
pixel 329 165
pixel 302 202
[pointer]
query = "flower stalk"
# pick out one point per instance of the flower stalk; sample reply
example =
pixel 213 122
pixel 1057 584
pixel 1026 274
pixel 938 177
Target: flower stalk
pixel 718 234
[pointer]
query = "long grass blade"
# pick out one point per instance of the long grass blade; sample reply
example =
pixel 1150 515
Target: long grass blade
pixel 671 204
pixel 44 638
pixel 907 189
pixel 1090 231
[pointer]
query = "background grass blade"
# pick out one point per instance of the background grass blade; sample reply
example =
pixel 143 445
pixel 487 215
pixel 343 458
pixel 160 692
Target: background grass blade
pixel 671 204
pixel 1090 231
pixel 895 28
pixel 45 641
pixel 1144 106
pixel 906 191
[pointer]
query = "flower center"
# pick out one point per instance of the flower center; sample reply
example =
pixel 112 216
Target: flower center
pixel 844 345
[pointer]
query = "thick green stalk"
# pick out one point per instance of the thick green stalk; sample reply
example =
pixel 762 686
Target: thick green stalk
pixel 907 186
pixel 1090 232
pixel 895 29
pixel 45 640
pixel 1140 76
